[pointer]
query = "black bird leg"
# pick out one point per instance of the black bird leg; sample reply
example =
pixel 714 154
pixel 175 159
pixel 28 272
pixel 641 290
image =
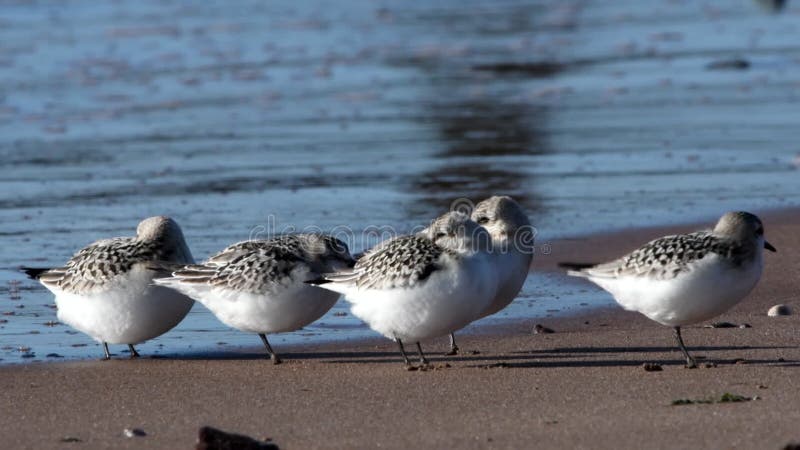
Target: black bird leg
pixel 422 359
pixel 453 347
pixel 402 351
pixel 134 353
pixel 105 349
pixel 273 356
pixel 690 362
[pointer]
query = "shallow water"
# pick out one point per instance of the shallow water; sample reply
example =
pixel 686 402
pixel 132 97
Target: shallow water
pixel 241 119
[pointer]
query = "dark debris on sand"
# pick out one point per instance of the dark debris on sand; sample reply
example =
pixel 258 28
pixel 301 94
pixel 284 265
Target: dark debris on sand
pixel 209 438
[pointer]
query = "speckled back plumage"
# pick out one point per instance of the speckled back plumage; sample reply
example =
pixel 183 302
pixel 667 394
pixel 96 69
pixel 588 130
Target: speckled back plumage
pixel 100 262
pixel 402 262
pixel 667 257
pixel 261 265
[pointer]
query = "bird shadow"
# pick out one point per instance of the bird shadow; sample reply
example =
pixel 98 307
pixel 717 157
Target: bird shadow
pixel 641 349
pixel 713 362
pixel 364 356
pixel 541 358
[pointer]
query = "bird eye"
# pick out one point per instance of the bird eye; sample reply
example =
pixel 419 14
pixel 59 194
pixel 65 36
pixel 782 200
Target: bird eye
pixel 483 220
pixel 440 235
pixel 759 231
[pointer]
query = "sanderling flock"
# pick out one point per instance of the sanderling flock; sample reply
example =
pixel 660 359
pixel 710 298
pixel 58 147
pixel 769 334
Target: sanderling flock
pixel 464 266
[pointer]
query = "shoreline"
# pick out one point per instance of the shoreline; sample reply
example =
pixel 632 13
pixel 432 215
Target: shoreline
pixel 582 386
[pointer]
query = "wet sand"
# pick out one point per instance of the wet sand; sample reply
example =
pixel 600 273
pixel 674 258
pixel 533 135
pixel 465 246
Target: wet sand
pixel 581 387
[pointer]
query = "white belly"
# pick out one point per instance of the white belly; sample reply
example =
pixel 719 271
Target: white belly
pixel 448 300
pixel 705 292
pixel 512 271
pixel 288 310
pixel 130 311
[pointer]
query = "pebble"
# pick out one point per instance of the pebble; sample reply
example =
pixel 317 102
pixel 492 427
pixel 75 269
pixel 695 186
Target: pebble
pixel 134 432
pixel 541 329
pixel 779 310
pixel 652 367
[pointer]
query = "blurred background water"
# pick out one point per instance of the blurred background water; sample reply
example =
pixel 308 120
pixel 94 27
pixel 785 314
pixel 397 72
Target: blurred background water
pixel 242 117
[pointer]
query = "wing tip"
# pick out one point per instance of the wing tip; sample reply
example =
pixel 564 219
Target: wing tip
pixel 575 266
pixel 576 269
pixel 34 273
pixel 318 281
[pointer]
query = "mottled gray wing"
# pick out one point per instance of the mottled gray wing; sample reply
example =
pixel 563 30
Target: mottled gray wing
pixel 664 258
pixel 255 266
pixel 97 263
pixel 237 250
pixel 399 263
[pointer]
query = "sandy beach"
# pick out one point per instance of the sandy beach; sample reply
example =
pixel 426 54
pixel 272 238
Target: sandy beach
pixel 583 386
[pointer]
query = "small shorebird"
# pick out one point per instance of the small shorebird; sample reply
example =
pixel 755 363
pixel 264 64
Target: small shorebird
pixel 416 287
pixel 106 289
pixel 259 286
pixel 687 278
pixel 512 249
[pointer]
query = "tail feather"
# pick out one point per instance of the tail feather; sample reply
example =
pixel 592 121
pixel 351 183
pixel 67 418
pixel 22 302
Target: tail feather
pixel 575 266
pixel 577 273
pixel 34 273
pixel 194 273
pixel 577 269
pixel 164 267
pixel 341 282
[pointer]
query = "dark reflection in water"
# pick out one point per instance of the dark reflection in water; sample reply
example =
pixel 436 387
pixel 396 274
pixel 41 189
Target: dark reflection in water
pixel 480 138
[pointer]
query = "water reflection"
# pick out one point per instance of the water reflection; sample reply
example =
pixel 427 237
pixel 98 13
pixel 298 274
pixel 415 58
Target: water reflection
pixel 481 138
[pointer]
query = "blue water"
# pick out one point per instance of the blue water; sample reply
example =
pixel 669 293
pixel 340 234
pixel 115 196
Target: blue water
pixel 247 117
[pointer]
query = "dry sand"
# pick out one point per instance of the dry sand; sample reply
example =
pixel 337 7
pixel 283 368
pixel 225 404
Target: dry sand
pixel 581 387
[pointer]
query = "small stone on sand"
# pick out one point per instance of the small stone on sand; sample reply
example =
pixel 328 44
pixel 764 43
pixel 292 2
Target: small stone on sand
pixel 541 329
pixel 652 367
pixel 779 310
pixel 134 432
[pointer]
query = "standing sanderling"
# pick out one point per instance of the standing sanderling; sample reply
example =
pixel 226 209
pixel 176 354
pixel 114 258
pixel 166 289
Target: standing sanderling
pixel 106 289
pixel 687 278
pixel 259 286
pixel 512 249
pixel 421 286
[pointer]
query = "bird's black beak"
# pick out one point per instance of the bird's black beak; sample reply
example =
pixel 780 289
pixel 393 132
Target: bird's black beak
pixel 769 247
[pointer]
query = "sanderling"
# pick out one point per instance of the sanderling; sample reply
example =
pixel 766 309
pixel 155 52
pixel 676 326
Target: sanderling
pixel 106 289
pixel 421 286
pixel 687 278
pixel 512 249
pixel 259 286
